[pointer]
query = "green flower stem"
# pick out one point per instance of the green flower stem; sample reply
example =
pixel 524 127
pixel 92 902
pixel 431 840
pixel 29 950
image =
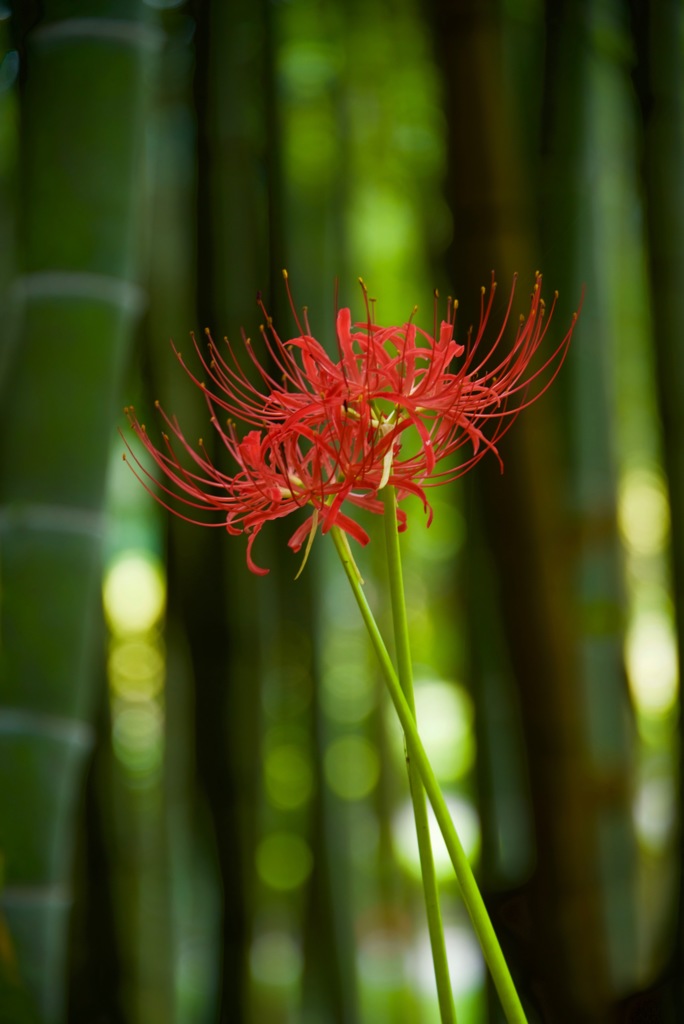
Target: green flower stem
pixel 420 811
pixel 484 930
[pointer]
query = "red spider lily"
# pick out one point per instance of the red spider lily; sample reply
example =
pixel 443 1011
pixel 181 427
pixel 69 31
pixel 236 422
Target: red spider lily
pixel 333 433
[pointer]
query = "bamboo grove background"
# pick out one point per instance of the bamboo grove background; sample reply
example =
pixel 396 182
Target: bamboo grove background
pixel 202 802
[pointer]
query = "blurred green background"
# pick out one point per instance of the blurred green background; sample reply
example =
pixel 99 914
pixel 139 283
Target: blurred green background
pixel 204 814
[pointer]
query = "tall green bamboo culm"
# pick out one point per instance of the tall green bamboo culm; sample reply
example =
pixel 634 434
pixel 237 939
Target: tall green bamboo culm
pixel 524 513
pixel 76 302
pixel 657 32
pixel 584 137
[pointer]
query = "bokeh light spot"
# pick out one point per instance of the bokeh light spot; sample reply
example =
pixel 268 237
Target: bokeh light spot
pixel 348 694
pixel 283 861
pixel 651 657
pixel 136 669
pixel 467 824
pixel 445 713
pixel 134 593
pixel 137 737
pixel 654 812
pixel 643 511
pixel 352 767
pixel 467 967
pixel 288 776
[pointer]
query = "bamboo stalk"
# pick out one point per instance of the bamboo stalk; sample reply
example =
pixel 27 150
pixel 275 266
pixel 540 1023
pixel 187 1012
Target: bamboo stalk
pixel 77 303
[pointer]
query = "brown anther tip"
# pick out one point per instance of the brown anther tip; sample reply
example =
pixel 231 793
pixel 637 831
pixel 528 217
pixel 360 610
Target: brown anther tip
pixel 285 274
pixel 157 403
pixel 436 293
pixel 207 332
pixel 203 385
pixel 123 456
pixel 555 294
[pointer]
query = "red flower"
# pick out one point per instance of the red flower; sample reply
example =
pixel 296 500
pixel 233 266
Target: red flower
pixel 397 403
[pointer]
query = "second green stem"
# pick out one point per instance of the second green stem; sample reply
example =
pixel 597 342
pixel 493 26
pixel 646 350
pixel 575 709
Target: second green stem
pixel 472 897
pixel 420 810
